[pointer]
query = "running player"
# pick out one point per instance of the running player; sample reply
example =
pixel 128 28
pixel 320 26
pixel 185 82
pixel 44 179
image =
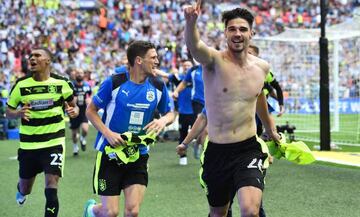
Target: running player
pixel 233 81
pixel 183 103
pixel 199 125
pixel 42 97
pixel 194 77
pixel 82 92
pixel 129 101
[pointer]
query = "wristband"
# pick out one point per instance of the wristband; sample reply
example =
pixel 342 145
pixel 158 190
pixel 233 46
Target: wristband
pixel 186 145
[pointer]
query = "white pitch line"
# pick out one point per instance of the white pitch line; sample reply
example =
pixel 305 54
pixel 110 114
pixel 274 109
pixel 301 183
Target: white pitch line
pixel 13 158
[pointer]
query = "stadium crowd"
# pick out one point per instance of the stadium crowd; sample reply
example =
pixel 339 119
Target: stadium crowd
pixel 95 39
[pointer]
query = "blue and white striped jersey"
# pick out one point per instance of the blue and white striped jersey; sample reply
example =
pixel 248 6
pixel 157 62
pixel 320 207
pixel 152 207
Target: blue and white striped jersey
pixel 129 107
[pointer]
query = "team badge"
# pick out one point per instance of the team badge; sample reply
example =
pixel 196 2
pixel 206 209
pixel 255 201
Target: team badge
pixel 102 184
pixel 150 96
pixel 52 89
pixel 130 151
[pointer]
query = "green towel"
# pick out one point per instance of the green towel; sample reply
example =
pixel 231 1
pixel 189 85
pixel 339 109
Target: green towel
pixel 297 152
pixel 129 152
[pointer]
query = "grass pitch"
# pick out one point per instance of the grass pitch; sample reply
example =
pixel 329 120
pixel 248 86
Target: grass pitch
pixel 291 191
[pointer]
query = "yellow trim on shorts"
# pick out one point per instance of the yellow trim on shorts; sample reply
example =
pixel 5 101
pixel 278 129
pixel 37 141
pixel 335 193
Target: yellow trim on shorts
pixel 96 173
pixel 202 182
pixel 264 149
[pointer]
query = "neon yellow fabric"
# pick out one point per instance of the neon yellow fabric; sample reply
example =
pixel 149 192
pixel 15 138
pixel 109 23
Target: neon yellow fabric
pixel 202 182
pixel 97 168
pixel 46 125
pixel 297 152
pixel 130 152
pixel 264 149
pixel 269 77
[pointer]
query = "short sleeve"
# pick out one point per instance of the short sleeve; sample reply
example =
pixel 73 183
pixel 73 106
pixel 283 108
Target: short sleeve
pixel 68 90
pixel 103 96
pixel 14 97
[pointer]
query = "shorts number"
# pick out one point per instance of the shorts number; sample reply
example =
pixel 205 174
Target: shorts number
pixel 57 159
pixel 255 165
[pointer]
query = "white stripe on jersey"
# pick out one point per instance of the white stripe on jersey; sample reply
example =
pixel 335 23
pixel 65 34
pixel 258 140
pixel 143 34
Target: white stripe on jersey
pixel 158 94
pixel 110 108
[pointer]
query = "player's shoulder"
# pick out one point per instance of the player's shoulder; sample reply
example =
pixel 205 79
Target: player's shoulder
pixel 23 79
pixel 21 82
pixel 261 63
pixel 157 82
pixel 118 79
pixel 59 77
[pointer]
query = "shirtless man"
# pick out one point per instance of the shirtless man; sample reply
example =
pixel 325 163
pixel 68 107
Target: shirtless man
pixel 233 82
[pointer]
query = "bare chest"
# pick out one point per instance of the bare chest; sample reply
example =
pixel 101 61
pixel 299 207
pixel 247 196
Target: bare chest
pixel 234 82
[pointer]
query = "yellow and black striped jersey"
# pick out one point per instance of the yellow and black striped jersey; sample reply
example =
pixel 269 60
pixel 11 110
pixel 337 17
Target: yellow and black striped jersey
pixel 46 125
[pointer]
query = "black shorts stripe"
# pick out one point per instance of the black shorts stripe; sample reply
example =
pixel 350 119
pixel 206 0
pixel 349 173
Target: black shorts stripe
pixel 42 121
pixel 42 137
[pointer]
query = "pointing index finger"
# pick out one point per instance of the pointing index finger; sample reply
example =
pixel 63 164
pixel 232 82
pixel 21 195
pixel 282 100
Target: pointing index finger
pixel 198 4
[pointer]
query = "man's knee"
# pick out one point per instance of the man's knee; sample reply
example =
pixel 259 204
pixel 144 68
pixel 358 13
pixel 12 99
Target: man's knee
pixel 218 211
pixel 51 181
pixel 250 211
pixel 111 211
pixel 131 211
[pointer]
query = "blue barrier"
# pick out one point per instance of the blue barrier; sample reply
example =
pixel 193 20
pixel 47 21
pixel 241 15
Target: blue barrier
pixel 312 106
pixel 13 133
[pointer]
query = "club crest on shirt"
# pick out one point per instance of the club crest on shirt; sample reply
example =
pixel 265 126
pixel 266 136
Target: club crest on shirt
pixel 52 89
pixel 150 96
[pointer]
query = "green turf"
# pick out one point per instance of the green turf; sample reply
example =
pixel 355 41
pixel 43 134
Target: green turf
pixel 308 127
pixel 174 191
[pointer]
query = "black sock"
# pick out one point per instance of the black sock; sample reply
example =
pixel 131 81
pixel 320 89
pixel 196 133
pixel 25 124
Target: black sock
pixel 18 188
pixel 184 155
pixel 52 202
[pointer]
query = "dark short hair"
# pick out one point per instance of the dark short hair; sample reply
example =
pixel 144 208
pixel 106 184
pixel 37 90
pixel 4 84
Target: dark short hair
pixel 238 13
pixel 255 48
pixel 138 48
pixel 47 51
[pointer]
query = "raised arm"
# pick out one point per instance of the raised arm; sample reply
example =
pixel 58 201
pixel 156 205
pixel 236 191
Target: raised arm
pixel 198 49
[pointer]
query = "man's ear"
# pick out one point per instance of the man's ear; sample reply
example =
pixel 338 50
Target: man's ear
pixel 138 60
pixel 253 33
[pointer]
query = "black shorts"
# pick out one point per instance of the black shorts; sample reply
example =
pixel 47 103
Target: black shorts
pixel 49 160
pixel 81 118
pixel 185 122
pixel 228 167
pixel 197 107
pixel 109 177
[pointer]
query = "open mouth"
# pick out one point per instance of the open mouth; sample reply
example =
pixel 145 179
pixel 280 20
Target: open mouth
pixel 237 41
